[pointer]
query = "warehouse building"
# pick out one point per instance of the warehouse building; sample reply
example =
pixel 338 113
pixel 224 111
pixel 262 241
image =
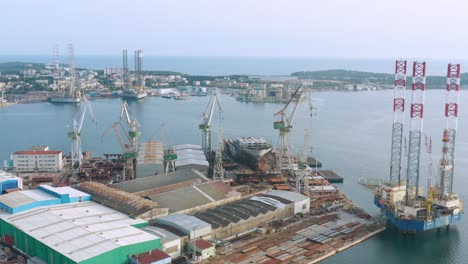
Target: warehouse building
pixel 171 243
pixel 197 197
pixel 189 225
pixel 301 202
pixel 203 249
pixel 165 182
pixel 244 215
pixel 62 225
pixel 189 155
pixel 9 181
pixel 44 195
pixel 130 204
pixel 150 159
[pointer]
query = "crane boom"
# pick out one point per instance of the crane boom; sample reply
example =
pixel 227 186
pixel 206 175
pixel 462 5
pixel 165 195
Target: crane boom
pixel 132 123
pixel 293 113
pixel 75 134
pixel 284 125
pixel 290 100
pixel 207 117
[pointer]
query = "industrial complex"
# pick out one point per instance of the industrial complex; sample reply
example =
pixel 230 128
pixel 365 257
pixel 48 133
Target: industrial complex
pixel 239 200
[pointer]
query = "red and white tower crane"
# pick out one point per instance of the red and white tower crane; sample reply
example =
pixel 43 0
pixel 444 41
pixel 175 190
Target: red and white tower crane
pixel 416 126
pixel 398 122
pixel 445 180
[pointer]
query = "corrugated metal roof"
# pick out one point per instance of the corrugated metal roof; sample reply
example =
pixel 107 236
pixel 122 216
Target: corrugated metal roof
pixel 187 222
pixel 72 192
pixel 151 182
pixel 165 235
pixel 190 155
pixel 16 199
pixel 80 231
pixel 193 196
pixel 186 162
pixel 5 176
pixel 290 196
pixel 187 146
pixel 151 152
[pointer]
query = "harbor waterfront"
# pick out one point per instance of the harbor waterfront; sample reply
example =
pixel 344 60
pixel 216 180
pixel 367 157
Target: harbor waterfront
pixel 350 134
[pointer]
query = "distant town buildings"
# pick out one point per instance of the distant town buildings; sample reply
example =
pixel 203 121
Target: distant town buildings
pixel 111 71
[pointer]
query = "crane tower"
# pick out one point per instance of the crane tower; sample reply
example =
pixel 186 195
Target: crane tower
pixel 207 117
pixel 284 125
pixel 125 77
pixel 218 170
pixel 398 122
pixel 445 181
pixel 416 126
pixel 138 69
pixel 129 154
pixel 75 134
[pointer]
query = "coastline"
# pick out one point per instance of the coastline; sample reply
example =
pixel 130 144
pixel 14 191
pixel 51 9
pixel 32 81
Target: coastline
pixel 351 244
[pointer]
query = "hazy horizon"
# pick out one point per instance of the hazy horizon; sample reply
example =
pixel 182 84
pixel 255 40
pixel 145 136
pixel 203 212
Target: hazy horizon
pixel 365 29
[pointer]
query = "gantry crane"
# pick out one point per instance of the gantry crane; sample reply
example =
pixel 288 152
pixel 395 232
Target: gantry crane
pixel 207 116
pixel 302 175
pixel 75 134
pixel 130 151
pixel 218 170
pixel 284 125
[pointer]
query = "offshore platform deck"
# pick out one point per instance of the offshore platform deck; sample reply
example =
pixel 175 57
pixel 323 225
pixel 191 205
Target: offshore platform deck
pixel 422 217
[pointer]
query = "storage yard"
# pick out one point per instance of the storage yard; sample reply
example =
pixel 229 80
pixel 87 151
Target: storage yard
pixel 308 240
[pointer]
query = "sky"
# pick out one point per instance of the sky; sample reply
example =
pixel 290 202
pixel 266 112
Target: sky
pixel 293 28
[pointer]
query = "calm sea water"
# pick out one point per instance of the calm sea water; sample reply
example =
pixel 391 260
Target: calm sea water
pixel 237 65
pixel 351 135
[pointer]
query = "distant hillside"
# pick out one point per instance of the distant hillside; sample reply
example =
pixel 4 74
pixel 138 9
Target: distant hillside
pixel 356 77
pixel 14 67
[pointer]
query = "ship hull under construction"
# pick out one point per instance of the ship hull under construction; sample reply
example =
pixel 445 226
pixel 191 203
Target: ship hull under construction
pixel 414 226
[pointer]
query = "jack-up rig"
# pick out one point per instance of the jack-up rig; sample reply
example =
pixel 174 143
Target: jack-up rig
pixel 402 201
pixel 138 91
pixel 73 93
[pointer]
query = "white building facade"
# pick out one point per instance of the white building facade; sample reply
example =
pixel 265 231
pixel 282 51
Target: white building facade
pixel 37 160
